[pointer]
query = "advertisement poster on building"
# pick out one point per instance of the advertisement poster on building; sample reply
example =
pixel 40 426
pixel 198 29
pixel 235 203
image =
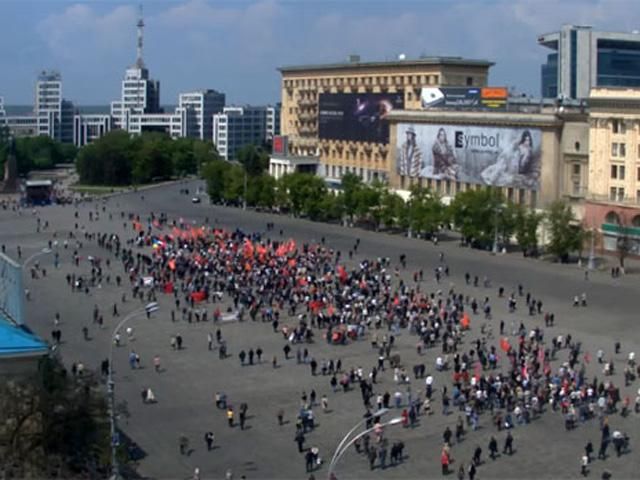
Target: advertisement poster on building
pixel 464 98
pixel 501 157
pixel 358 117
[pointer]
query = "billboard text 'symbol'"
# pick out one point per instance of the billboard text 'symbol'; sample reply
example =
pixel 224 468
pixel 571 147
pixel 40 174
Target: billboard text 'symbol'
pixel 502 157
pixel 358 117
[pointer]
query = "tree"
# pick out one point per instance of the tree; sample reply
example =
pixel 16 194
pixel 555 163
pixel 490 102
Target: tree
pixel 526 229
pixel 182 157
pixel 214 174
pixel 234 184
pixel 566 234
pixel 254 159
pixel 391 206
pixel 54 419
pixel 474 214
pixel 261 191
pixel 305 193
pixel 351 186
pixel 426 212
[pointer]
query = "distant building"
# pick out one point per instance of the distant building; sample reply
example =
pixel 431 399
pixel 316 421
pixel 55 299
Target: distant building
pixel 89 128
pixel 584 58
pixel 236 127
pixel 612 208
pixel 3 113
pixel 202 105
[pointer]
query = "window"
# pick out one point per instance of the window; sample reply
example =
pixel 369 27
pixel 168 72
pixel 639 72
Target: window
pixel 618 172
pixel 618 126
pixel 521 196
pixel 638 174
pixel 469 81
pixel 575 169
pixel 616 194
pixel 447 187
pixel 576 188
pixel 510 194
pixel 618 149
pixel 637 197
pixel 533 198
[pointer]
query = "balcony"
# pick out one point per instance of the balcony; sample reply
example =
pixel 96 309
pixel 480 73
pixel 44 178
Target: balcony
pixel 307 101
pixel 305 141
pixel 308 115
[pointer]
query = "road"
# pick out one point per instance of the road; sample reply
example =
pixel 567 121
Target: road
pixel 190 377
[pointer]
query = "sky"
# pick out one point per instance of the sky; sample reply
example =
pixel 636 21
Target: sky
pixel 236 46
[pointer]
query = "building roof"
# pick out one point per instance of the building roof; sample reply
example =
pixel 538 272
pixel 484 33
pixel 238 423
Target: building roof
pixel 475 117
pixel 17 341
pixel 451 61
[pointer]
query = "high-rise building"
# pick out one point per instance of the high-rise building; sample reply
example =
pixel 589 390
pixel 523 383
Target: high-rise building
pixel 202 106
pixel 273 122
pixel 236 127
pixel 139 93
pixel 3 113
pixel 54 114
pixel 584 58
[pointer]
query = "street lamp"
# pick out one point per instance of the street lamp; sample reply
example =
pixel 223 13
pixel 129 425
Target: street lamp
pixel 44 251
pixel 339 453
pixel 115 467
pixel 379 413
pixel 495 231
pixel 592 254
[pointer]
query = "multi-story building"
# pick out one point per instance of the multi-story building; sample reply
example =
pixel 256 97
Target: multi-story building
pixel 202 105
pixel 361 94
pixel 3 113
pixel 273 122
pixel 612 209
pixel 89 128
pixel 584 58
pixel 236 127
pixel 534 157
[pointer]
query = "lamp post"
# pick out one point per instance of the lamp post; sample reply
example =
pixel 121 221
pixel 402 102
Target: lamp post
pixel 44 251
pixel 115 467
pixel 495 232
pixel 379 413
pixel 340 452
pixel 592 260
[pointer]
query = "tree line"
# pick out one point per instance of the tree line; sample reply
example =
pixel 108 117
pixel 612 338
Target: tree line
pixel 482 216
pixel 121 159
pixel 35 153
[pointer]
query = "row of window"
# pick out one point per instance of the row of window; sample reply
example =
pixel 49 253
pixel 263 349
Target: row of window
pixel 369 80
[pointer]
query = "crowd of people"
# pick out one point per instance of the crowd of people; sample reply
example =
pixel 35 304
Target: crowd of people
pixel 310 293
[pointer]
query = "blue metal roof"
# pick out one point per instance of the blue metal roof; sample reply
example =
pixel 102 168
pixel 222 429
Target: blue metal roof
pixel 19 340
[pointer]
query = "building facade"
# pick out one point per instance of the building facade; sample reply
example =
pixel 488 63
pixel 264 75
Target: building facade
pixel 584 58
pixel 202 105
pixel 612 209
pixel 89 128
pixel 236 127
pixel 533 158
pixel 309 90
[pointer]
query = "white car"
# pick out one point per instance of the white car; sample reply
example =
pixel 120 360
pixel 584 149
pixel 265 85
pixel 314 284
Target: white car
pixel 195 200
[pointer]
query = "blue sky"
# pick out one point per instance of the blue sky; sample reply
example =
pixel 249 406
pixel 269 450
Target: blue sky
pixel 236 46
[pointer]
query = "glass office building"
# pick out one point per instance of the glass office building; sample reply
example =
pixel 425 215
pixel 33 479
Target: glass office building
pixel 583 58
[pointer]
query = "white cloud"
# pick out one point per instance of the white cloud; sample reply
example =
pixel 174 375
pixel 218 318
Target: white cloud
pixel 79 31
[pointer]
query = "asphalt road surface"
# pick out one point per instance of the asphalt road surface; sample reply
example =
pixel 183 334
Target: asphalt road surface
pixel 189 378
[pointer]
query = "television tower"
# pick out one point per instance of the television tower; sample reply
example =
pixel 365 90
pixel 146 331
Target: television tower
pixel 140 25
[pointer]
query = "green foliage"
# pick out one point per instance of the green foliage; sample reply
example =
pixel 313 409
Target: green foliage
pixel 214 174
pixel 305 193
pixel 566 235
pixel 119 159
pixel 391 209
pixel 36 153
pixel 426 211
pixel 526 229
pixel 254 159
pixel 473 212
pixel 351 186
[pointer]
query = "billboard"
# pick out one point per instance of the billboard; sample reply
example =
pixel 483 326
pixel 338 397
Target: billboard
pixel 11 290
pixel 358 117
pixel 501 157
pixel 485 98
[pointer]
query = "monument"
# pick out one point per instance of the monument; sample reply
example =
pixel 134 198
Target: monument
pixel 10 179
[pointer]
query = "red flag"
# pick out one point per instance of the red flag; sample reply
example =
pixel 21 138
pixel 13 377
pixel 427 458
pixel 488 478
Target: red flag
pixel 248 249
pixel 504 345
pixel 342 274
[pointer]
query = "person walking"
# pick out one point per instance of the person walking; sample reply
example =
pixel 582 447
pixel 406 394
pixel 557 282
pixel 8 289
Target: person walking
pixel 230 416
pixel 299 439
pixel 493 448
pixel 508 444
pixel 208 438
pixel 184 444
pixel 156 363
